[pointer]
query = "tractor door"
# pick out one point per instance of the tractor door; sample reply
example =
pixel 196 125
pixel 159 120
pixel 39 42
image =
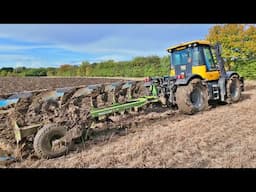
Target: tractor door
pixel 212 72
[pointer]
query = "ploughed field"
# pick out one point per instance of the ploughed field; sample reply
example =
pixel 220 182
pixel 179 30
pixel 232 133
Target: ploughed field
pixel 223 136
pixel 15 84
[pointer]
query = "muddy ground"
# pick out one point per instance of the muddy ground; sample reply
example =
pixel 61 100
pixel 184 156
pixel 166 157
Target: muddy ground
pixel 15 84
pixel 223 136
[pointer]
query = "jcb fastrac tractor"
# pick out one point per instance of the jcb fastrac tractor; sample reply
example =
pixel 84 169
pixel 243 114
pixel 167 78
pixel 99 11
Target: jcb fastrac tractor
pixel 197 77
pixel 53 119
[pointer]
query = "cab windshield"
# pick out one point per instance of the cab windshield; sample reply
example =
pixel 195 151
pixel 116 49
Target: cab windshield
pixel 185 56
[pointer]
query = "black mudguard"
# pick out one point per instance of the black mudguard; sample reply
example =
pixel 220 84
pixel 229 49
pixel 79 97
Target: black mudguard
pixel 187 79
pixel 230 73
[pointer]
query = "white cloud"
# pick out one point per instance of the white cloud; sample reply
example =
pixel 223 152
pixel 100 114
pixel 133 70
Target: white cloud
pixel 119 45
pixel 24 47
pixel 109 57
pixel 8 57
pixel 90 38
pixel 17 60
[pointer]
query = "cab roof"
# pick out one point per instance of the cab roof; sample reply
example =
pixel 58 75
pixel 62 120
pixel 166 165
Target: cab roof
pixel 201 42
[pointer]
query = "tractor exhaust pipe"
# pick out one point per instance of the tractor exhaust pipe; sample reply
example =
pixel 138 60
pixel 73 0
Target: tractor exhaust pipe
pixel 218 50
pixel 222 79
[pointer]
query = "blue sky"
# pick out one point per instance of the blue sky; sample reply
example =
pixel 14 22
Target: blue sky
pixel 51 45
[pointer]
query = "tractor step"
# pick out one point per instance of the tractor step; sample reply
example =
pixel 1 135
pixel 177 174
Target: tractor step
pixel 215 92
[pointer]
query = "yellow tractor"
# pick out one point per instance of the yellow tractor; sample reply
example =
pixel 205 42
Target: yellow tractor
pixel 197 77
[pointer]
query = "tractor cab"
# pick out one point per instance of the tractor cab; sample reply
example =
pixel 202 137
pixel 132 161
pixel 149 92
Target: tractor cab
pixel 193 58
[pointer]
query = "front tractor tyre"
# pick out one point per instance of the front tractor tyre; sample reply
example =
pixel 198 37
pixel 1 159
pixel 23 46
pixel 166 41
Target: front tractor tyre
pixel 192 98
pixel 233 89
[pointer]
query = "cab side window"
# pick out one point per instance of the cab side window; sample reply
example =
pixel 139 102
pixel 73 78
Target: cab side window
pixel 197 57
pixel 210 64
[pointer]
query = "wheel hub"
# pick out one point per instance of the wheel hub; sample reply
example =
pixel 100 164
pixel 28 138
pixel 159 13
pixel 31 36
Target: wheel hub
pixel 196 98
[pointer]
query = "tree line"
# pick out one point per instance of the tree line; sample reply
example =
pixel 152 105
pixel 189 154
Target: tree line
pixel 137 67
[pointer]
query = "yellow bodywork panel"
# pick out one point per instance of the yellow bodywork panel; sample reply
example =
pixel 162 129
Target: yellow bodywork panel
pixel 172 72
pixel 208 75
pixel 201 70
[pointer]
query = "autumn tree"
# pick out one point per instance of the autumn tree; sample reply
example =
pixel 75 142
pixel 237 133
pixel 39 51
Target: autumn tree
pixel 238 41
pixel 67 70
pixel 83 68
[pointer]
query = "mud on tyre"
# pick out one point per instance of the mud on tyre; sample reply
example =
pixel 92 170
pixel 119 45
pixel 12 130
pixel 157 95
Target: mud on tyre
pixel 192 98
pixel 233 89
pixel 44 139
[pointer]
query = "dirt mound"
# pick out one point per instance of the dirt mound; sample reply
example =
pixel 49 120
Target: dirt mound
pixel 34 109
pixel 69 111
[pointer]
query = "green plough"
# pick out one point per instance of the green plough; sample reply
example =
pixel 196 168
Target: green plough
pixel 52 119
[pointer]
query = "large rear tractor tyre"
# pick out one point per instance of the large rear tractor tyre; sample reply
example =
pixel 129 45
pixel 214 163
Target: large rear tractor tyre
pixel 233 89
pixel 44 141
pixel 192 98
